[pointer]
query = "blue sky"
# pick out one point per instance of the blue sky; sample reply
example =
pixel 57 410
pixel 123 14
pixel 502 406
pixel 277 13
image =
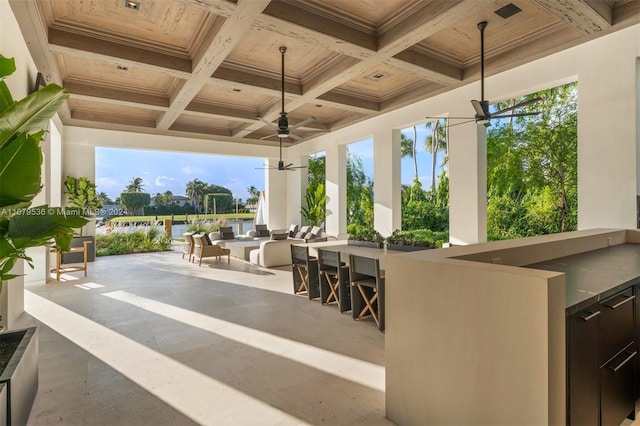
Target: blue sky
pixel 169 171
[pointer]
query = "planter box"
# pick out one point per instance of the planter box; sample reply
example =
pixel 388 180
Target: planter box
pixel 78 257
pixel 19 374
pixel 371 244
pixel 403 247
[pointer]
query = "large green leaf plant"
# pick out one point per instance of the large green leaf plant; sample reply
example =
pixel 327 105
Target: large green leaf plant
pixel 21 129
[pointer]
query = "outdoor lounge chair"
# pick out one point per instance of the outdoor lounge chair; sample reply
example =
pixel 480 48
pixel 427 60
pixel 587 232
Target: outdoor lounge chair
pixel 188 245
pixel 203 249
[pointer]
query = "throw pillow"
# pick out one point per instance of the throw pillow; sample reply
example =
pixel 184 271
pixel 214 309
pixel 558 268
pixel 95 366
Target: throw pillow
pixel 228 236
pixel 299 235
pixel 207 240
pixel 293 230
pixel 226 229
pixel 262 231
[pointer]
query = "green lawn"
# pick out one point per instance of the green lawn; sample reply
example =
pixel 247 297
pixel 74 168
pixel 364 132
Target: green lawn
pixel 228 216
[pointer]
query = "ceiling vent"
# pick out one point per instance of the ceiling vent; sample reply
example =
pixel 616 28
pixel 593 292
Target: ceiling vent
pixel 508 11
pixel 129 4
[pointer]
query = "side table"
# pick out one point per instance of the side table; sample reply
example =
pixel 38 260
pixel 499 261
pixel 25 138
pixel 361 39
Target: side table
pixel 58 270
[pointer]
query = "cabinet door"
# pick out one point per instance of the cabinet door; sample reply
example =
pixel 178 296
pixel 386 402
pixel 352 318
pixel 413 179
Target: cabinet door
pixel 616 324
pixel 583 368
pixel 618 387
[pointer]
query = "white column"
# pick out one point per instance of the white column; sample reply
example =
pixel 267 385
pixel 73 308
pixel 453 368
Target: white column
pixel 387 206
pixel 275 186
pixel 336 189
pixel 79 160
pixel 297 185
pixel 467 184
pixel 607 144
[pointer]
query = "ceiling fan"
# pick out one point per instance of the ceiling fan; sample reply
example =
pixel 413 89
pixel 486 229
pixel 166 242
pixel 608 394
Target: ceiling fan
pixel 483 115
pixel 283 130
pixel 289 167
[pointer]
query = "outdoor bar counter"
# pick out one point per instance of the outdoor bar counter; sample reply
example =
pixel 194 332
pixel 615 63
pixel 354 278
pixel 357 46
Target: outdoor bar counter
pixel 531 331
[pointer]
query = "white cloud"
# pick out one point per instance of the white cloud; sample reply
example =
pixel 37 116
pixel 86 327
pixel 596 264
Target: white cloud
pixel 190 170
pixel 107 183
pixel 163 180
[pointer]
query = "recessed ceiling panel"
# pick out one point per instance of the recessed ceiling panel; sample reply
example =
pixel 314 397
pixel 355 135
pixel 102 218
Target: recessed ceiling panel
pixel 236 98
pixel 102 73
pixel 459 44
pixel 380 83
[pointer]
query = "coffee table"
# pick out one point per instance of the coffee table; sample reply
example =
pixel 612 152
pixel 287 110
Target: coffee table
pixel 241 249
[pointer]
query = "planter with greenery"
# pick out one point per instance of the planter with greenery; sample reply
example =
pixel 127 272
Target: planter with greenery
pixel 22 226
pixel 81 194
pixel 364 237
pixel 408 241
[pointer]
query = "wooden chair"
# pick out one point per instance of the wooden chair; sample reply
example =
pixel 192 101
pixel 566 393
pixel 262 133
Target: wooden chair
pixel 188 245
pixel 203 249
pixel 367 288
pixel 334 280
pixel 305 272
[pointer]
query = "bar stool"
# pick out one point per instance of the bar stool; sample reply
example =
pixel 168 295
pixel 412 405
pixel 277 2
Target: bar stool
pixel 367 289
pixel 334 280
pixel 305 272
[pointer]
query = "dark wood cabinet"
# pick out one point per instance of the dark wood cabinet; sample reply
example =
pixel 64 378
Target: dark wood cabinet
pixel 602 361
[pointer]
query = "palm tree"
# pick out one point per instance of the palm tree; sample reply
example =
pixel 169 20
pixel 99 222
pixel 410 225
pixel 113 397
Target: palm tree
pixel 195 191
pixel 434 143
pixel 167 197
pixel 408 149
pixel 135 185
pixel 104 198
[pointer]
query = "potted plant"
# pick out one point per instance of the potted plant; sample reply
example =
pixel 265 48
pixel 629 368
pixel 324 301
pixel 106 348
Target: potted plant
pixel 407 241
pixel 364 236
pixel 81 194
pixel 23 226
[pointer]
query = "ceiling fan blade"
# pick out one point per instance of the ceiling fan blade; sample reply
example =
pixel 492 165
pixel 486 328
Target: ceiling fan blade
pixel 302 123
pixel 268 123
pixel 452 118
pixel 517 114
pixel 521 104
pixel 479 107
pixel 469 120
pixel 270 136
pixel 296 137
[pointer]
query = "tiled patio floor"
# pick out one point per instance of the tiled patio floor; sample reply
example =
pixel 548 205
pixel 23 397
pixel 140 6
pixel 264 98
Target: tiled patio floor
pixel 152 339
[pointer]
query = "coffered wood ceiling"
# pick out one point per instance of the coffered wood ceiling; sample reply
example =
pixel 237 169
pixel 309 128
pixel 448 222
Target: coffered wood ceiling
pixel 207 68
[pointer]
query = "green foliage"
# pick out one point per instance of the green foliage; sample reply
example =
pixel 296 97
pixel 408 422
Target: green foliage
pixel 359 193
pixel 532 168
pixel 135 201
pixel 418 238
pixel 82 194
pixel 315 211
pixel 203 226
pixel 316 170
pixel 135 185
pixel 223 202
pixel 137 241
pixel 363 233
pixel 21 124
pixel 425 210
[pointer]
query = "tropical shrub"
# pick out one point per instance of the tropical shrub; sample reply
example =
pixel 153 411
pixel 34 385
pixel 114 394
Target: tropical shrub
pixel 121 241
pixel 203 226
pixel 364 233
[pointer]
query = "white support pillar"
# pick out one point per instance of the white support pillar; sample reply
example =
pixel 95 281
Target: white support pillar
pixel 467 184
pixel 297 184
pixel 275 186
pixel 79 160
pixel 387 206
pixel 607 144
pixel 336 190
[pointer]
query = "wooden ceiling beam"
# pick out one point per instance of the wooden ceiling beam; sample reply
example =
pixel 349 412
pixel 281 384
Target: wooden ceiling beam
pixel 62 41
pixel 116 96
pixel 99 116
pixel 222 112
pixel 585 16
pixel 233 78
pixel 349 103
pixel 222 41
pixel 626 13
pixel 426 67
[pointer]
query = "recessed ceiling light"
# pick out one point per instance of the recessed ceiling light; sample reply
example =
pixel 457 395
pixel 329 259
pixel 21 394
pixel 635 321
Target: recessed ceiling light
pixel 377 76
pixel 318 106
pixel 132 4
pixel 237 90
pixel 508 11
pixel 123 68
